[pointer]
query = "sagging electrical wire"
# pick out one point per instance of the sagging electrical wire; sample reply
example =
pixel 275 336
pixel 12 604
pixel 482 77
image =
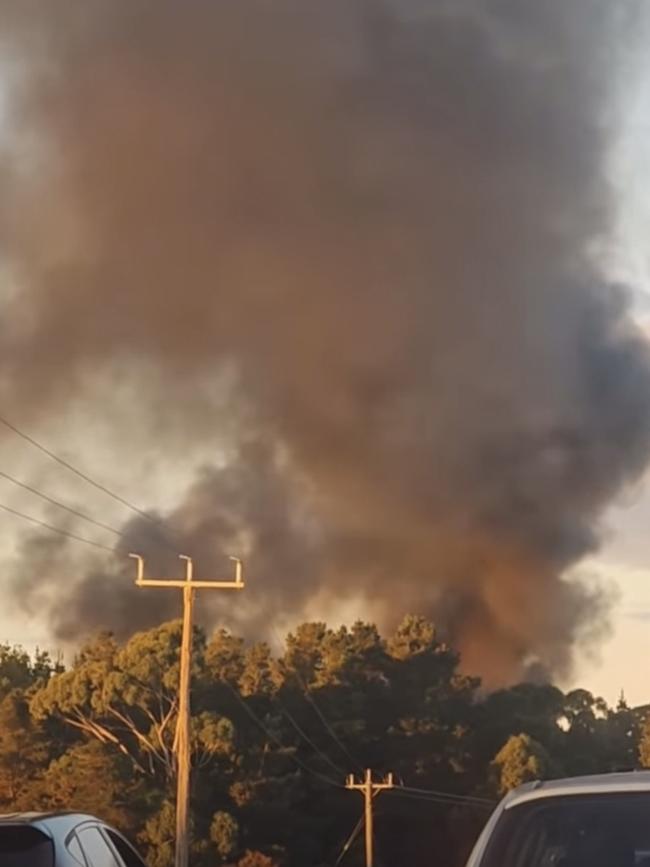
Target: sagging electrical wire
pixel 308 740
pixel 159 525
pixel 475 798
pixel 320 714
pixel 448 800
pixel 54 529
pixel 349 841
pixel 59 504
pixel 277 741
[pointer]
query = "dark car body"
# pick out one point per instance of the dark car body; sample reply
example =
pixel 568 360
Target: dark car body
pixel 62 840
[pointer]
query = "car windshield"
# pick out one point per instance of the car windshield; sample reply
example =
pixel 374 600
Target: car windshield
pixel 25 847
pixel 574 831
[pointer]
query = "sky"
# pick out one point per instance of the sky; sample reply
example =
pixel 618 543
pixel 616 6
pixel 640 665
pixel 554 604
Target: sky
pixel 624 560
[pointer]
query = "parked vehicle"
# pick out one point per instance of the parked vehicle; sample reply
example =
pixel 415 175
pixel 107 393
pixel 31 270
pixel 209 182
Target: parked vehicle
pixel 599 821
pixel 62 840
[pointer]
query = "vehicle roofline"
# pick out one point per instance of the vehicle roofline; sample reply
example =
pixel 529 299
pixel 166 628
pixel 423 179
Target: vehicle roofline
pixel 573 791
pixel 45 821
pixel 603 784
pixel 28 817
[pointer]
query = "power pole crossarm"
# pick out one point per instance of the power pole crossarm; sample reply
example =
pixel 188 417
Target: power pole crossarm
pixel 182 735
pixel 369 790
pixel 141 581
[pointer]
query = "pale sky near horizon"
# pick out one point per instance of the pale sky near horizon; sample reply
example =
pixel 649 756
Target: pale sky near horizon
pixel 625 556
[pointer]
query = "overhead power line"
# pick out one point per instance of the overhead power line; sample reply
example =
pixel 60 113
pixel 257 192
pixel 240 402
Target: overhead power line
pixel 446 799
pixel 54 529
pixel 320 714
pixel 328 726
pixel 475 798
pixel 251 713
pixel 349 841
pixel 59 504
pixel 443 802
pixel 86 478
pixel 307 739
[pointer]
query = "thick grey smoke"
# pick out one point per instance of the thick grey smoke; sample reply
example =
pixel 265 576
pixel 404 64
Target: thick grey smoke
pixel 373 223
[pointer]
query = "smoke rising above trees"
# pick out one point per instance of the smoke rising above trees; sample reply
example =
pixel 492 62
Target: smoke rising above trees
pixel 355 241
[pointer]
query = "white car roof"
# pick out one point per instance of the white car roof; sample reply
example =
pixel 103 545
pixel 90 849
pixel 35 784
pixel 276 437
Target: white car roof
pixel 601 784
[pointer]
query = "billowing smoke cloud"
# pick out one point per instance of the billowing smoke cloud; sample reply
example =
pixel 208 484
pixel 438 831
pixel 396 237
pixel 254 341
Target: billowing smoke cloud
pixel 371 225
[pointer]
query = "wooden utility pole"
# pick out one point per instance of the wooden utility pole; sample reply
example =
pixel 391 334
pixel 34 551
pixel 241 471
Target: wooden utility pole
pixel 369 790
pixel 182 735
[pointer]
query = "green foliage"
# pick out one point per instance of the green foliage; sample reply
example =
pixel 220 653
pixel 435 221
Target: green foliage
pixel 256 859
pixel 18 670
pixel 259 673
pixel 520 760
pixel 24 754
pixel 211 736
pixel 414 636
pixel 224 657
pixel 91 778
pixel 125 697
pixel 158 836
pixel 273 739
pixel 224 833
pixel 644 743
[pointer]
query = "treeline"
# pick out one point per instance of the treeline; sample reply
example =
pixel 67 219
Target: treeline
pixel 274 738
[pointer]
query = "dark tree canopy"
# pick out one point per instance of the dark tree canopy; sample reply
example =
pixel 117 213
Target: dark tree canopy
pixel 274 737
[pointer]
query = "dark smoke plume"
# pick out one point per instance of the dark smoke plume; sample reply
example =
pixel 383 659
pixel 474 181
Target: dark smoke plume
pixel 368 227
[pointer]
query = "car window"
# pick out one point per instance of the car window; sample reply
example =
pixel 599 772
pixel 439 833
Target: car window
pixel 97 851
pixel 575 831
pixel 25 847
pixel 125 851
pixel 73 847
